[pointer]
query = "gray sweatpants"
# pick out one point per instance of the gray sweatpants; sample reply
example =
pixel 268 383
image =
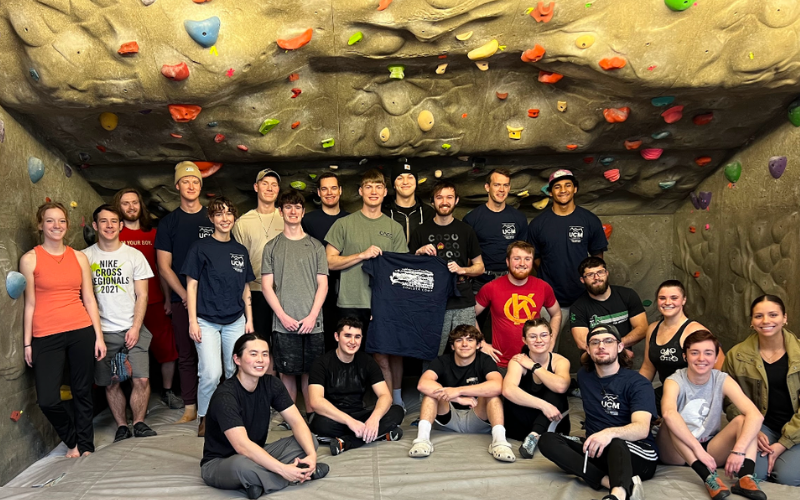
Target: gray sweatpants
pixel 239 472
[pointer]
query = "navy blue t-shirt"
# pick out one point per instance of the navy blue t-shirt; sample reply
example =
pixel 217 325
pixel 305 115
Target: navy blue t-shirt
pixel 176 234
pixel 221 269
pixel 409 297
pixel 562 242
pixel 610 401
pixel 317 223
pixel 495 231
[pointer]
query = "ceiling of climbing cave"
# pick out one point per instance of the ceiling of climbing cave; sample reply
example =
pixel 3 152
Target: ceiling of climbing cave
pixel 127 88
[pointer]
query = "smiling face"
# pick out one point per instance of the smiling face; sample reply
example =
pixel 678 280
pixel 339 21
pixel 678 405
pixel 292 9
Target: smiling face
pixel 604 349
pixel 292 214
pixel 54 224
pixel 595 279
pixel 255 358
pixel 537 339
pixel 701 357
pixel 372 193
pixel 349 340
pixel 768 319
pixel 267 189
pixel 563 192
pixel 130 206
pixel 465 347
pixel 329 191
pixel 444 202
pixel 670 301
pixel 498 187
pixel 405 185
pixel 189 187
pixel 107 226
pixel 520 263
pixel 223 220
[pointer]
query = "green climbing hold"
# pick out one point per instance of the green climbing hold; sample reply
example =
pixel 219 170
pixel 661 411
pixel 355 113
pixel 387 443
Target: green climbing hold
pixel 794 113
pixel 268 125
pixel 312 176
pixel 328 143
pixel 396 71
pixel 660 135
pixel 355 38
pixel 546 189
pixel 647 303
pixel 733 171
pixel 662 101
pixel 299 185
pixel 446 146
pixel 679 4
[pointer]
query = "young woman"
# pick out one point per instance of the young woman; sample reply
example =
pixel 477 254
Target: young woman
pixel 535 388
pixel 692 407
pixel 217 272
pixel 767 366
pixel 61 322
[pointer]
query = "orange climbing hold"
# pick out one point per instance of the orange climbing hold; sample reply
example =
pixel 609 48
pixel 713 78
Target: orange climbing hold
pixel 572 147
pixel 293 77
pixel 613 63
pixel 703 119
pixel 502 95
pixel 15 415
pixel 295 125
pixel 175 72
pixel 696 274
pixel 177 136
pixel 533 113
pixel 632 145
pixel 296 92
pixel 534 54
pixel 616 115
pixel 464 115
pixel 673 114
pixel 100 148
pixel 702 161
pixel 608 229
pixel 548 77
pixel 384 4
pixel 128 48
pixel 183 113
pixel 208 168
pixel 692 229
pixel 543 13
pixel 201 1
pixel 296 42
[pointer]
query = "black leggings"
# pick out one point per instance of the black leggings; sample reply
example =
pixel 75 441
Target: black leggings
pixel 324 426
pixel 522 420
pixel 619 461
pixel 49 354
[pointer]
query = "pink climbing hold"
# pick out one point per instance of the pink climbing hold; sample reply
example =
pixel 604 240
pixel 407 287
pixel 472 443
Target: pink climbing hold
pixel 651 153
pixel 612 175
pixel 242 147
pixel 175 72
pixel 673 114
pixel 219 138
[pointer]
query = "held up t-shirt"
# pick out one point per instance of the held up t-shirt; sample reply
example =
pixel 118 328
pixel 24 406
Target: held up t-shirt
pixel 144 242
pixel 495 231
pixel 176 234
pixel 618 309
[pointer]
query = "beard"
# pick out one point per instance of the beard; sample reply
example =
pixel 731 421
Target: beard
pixel 131 218
pixel 598 288
pixel 518 274
pixel 608 361
pixel 444 210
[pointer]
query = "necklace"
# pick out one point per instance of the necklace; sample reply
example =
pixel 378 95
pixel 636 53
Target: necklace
pixel 58 261
pixel 775 355
pixel 266 231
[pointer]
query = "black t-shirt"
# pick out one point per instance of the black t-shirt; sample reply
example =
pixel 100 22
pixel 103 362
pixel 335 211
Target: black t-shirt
pixel 451 375
pixel 317 223
pixel 495 231
pixel 779 409
pixel 345 383
pixel 455 242
pixel 617 310
pixel 562 242
pixel 176 234
pixel 233 406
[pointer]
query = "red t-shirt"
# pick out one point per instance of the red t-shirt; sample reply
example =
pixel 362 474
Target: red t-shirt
pixel 143 241
pixel 511 306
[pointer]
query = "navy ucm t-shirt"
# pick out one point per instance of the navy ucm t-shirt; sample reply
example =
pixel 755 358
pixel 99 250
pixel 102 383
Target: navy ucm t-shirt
pixel 409 298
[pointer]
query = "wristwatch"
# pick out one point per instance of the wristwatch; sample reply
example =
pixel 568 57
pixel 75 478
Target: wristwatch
pixel 536 366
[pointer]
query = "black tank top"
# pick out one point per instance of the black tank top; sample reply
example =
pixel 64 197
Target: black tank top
pixel 527 384
pixel 667 358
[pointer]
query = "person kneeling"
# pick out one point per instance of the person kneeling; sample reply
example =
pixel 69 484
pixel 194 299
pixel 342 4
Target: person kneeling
pixel 237 423
pixel 618 452
pixel 337 384
pixel 692 407
pixel 462 394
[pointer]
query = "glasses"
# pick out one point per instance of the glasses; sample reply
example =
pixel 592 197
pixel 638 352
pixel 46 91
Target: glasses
pixel 599 274
pixel 543 336
pixel 597 342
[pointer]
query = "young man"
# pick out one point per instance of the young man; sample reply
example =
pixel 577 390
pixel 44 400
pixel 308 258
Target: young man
pixel 604 304
pixel 618 452
pixel 514 299
pixel 235 456
pixel 338 382
pixel 317 224
pixel 119 276
pixel 358 237
pixel 563 236
pixel 138 233
pixel 176 234
pixel 253 230
pixel 406 209
pixel 462 394
pixel 454 241
pixel 294 274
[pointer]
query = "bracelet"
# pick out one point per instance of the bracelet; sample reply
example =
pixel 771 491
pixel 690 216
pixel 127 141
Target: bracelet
pixel 738 453
pixel 26 346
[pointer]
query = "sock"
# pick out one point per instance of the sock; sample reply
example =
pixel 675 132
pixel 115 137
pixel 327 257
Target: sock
pixel 748 468
pixel 424 430
pixel 498 434
pixel 397 397
pixel 701 469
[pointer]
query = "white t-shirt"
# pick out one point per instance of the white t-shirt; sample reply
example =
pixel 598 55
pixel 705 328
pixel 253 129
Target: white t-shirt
pixel 113 276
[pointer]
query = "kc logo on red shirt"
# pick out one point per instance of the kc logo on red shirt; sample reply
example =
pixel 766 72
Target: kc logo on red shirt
pixel 520 308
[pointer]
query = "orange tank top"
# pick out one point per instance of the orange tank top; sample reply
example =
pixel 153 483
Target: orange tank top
pixel 57 284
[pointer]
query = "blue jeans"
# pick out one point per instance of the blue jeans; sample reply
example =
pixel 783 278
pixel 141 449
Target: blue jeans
pixel 787 467
pixel 214 352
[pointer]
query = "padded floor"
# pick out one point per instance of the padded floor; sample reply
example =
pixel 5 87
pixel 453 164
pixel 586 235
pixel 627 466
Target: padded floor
pixel 168 466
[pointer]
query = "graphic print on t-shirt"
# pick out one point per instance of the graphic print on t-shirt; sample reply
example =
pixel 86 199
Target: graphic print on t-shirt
pixel 237 262
pixel 205 232
pixel 669 354
pixel 107 277
pixel 576 234
pixel 608 319
pixel 694 414
pixel 610 403
pixel 413 279
pixel 447 245
pixel 517 304
pixel 509 230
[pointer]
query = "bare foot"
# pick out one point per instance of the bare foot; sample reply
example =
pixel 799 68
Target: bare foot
pixel 189 414
pixel 73 453
pixel 86 453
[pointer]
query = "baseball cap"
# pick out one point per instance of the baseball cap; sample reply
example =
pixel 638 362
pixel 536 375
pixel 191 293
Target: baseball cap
pixel 267 172
pixel 561 174
pixel 186 168
pixel 600 329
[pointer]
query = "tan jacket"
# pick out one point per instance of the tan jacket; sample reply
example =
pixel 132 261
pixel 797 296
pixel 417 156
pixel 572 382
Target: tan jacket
pixel 745 365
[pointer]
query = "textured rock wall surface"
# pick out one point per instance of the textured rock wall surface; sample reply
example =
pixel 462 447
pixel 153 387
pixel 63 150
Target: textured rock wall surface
pixel 32 436
pixel 752 241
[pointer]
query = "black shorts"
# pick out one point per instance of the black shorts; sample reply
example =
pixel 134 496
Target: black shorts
pixel 294 353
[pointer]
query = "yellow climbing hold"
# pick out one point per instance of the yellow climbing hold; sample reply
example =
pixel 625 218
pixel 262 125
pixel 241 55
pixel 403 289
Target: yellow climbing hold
pixel 484 51
pixel 464 36
pixel 523 194
pixel 73 204
pixel 422 180
pixel 446 146
pixel 385 134
pixel 585 41
pixel 514 132
pixel 438 174
pixel 440 69
pixel 213 50
pixel 752 56
pixel 539 205
pixel 482 65
pixel 109 121
pixel 562 106
pixel 425 120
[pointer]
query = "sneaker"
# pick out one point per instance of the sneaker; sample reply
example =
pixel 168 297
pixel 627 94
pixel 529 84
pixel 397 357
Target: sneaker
pixel 123 432
pixel 637 493
pixel 415 423
pixel 575 393
pixel 142 430
pixel 528 447
pixel 337 446
pixel 321 471
pixel 716 488
pixel 171 400
pixel 254 491
pixel 394 434
pixel 747 486
pixel 284 426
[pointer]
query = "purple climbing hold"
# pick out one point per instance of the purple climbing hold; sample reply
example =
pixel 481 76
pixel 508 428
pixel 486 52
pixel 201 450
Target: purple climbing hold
pixel 2 132
pixel 704 199
pixel 695 201
pixel 777 165
pixel 148 2
pixel 145 111
pixel 67 170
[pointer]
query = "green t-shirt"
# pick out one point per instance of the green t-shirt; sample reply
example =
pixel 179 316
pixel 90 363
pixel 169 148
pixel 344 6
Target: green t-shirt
pixel 354 234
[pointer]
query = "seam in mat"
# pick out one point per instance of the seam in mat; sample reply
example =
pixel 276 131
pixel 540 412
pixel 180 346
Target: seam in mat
pixel 376 474
pixel 121 457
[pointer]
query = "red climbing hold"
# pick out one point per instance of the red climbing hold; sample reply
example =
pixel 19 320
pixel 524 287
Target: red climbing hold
pixel 177 136
pixel 632 145
pixel 128 48
pixel 501 95
pixel 15 415
pixel 588 160
pixel 613 63
pixel 692 229
pixel 443 56
pixel 572 147
pixel 293 77
pixel 102 149
pixel 543 13
pixel 295 125
pixel 175 72
pixel 219 138
pixel 548 77
pixel 703 119
pixel 651 154
pixel 702 161
pixel 296 92
pixel 464 115
pixel 608 229
pixel 296 42
pixel 47 199
pixel 533 113
pixel 183 113
pixel 673 114
pixel 230 72
pixel 242 147
pixel 534 54
pixel 616 115
pixel 696 274
pixel 611 175
pixel 384 4
pixel 207 168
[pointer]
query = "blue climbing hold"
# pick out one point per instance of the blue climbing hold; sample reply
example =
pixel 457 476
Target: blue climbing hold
pixel 608 160
pixel 15 284
pixel 204 32
pixel 666 184
pixel 35 169
pixel 34 74
pixel 212 124
pixel 660 135
pixel 662 101
pixel 546 189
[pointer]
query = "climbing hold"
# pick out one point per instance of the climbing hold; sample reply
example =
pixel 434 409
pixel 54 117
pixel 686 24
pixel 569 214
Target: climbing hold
pixel 204 32
pixel 702 161
pixel 464 36
pixel 100 148
pixel 219 138
pixel 438 174
pixel 482 65
pixel 703 119
pixel 67 171
pixel 15 284
pixel 175 72
pixel 733 171
pixel 611 175
pixel 128 48
pixel 632 145
pixel 73 204
pixel 328 143
pixel 299 185
pixel 543 13
pixel 336 167
pixel 692 229
pixel 384 4
pixel 695 201
pixel 584 41
pixel 541 204
pixel 484 51
pixel 501 95
pixel 562 106
pixel 15 416
pixel 545 189
pixel 355 38
pixel 794 110
pixel 35 169
pixel 608 229
pixel 647 303
pixel 84 157
pixel 176 136
pixel 446 146
pixel 666 184
pixel 523 194
pixel 696 274
pixel 704 199
pixel 606 161
pixel 662 101
pixel 421 181
pixel 572 147
pixel 616 115
pixel 296 92
pixel 183 113
pixel 242 147
pixel 108 121
pixel 213 50
pixel 679 4
pixel 533 55
pixel 440 69
pixel 533 113
pixel 549 77
pixel 396 71
pixel 613 63
pixel 295 125
pixel 296 42
pixel 777 165
pixel 588 160
pixel 464 115
pixel 34 74
pixel 148 2
pixel 673 114
pixel 651 154
pixel 707 227
pixel 660 135
pixel 384 134
pixel 293 77
pixel 514 132
pixel 212 124
pixel 208 168
pixel 229 72
pixel 425 120
pixel 268 125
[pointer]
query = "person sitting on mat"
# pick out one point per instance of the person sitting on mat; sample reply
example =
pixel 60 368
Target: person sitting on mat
pixel 462 394
pixel 337 384
pixel 237 423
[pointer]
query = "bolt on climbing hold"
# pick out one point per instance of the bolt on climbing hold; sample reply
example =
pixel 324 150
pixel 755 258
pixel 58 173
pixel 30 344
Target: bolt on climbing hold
pixel 183 113
pixel 34 74
pixel 268 125
pixel 100 148
pixel 229 72
pixel 438 174
pixel 704 199
pixel 15 284
pixel 108 121
pixel 561 106
pixel 73 204
pixel 660 135
pixel 355 38
pixel 203 32
pixel 584 41
pixel 651 153
pixel 777 165
pixel 571 147
pixel 128 48
pixel 484 51
pixel 396 71
pixel 607 230
pixel 425 120
pixel 543 13
pixel 16 415
pixel 293 77
pixel 242 147
pixel 175 72
pixel 616 115
pixel 533 113
pixel 679 5
pixel 176 136
pixel 384 134
pixel 647 303
pixel 297 41
pixel 707 227
pixel 482 65
pixel 463 37
pixel 545 189
pixel 440 69
pixel 611 175
pixel 696 274
pixel 328 143
pixel 703 119
pixel 610 63
pixel 673 114
pixel 533 55
pixel 541 204
pixel 514 132
pixel 35 169
pixel 733 171
pixel 549 77
pixel 794 112
pixel 67 171
pixel 523 194
pixel 212 124
pixel 607 160
pixel 632 145
pixel 666 184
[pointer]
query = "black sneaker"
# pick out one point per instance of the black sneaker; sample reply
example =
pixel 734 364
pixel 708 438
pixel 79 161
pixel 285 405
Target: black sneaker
pixel 123 432
pixel 337 446
pixel 321 471
pixel 171 400
pixel 254 491
pixel 394 434
pixel 142 430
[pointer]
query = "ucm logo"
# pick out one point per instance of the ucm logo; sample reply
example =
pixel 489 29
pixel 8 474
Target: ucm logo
pixel 518 305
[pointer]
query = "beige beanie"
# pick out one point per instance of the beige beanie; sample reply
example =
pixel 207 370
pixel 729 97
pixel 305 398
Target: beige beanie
pixel 185 168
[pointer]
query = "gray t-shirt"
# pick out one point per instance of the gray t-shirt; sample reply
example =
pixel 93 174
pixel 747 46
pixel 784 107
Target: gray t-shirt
pixel 295 265
pixel 700 405
pixel 354 234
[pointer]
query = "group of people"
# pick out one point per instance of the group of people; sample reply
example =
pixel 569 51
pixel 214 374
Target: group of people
pixel 279 291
